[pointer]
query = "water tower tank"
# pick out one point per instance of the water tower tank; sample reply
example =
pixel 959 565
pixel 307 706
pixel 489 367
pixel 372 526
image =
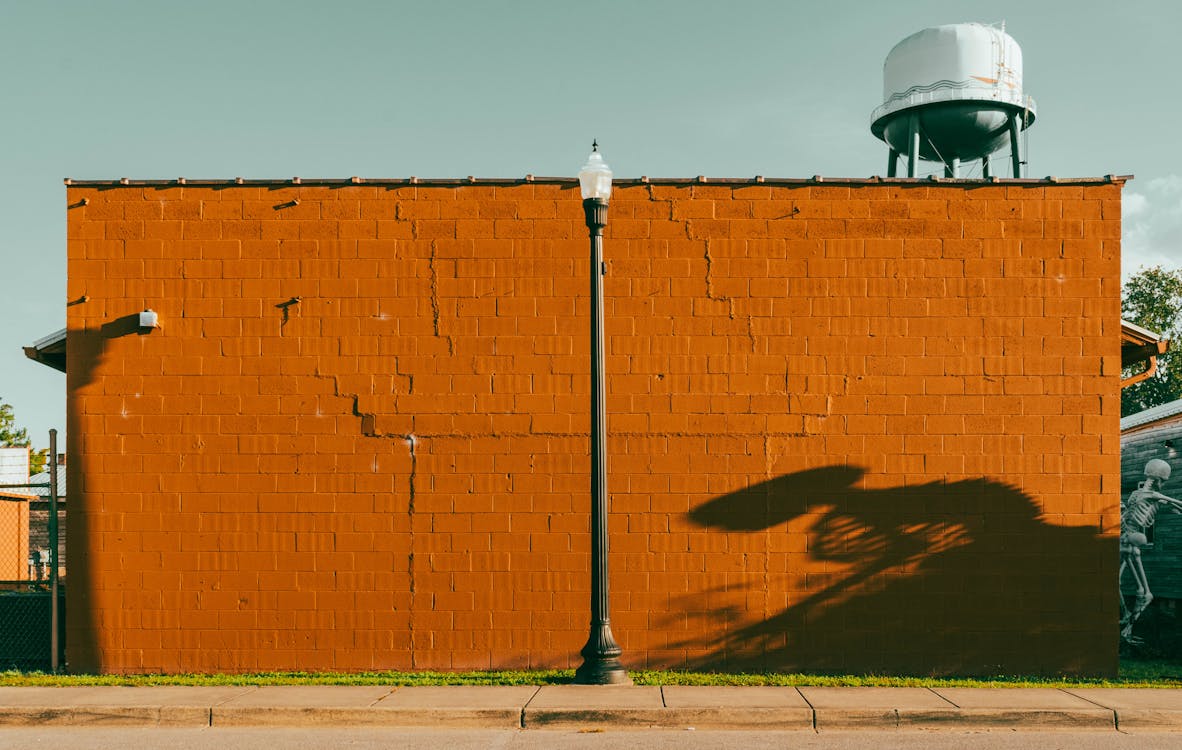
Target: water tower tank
pixel 953 94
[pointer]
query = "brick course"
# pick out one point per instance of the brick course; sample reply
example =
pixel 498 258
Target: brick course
pixel 851 427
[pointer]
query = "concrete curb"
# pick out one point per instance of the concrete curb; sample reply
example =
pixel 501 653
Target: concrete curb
pixel 1149 719
pixel 773 708
pixel 365 717
pixel 740 718
pixel 107 716
pixel 1138 708
pixel 574 718
pixel 622 718
pixel 994 718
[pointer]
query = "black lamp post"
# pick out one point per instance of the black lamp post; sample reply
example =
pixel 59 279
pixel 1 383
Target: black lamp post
pixel 601 655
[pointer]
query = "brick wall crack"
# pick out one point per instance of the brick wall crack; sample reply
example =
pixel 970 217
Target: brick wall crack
pixel 668 204
pixel 731 313
pixel 369 428
pixel 451 347
pixel 709 272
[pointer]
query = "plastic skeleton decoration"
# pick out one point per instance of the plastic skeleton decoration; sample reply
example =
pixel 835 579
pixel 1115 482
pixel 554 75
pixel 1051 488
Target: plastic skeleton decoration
pixel 1137 515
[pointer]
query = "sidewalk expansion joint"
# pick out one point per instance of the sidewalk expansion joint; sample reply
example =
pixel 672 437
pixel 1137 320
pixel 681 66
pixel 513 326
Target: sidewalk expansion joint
pixel 946 699
pixel 521 719
pixel 812 708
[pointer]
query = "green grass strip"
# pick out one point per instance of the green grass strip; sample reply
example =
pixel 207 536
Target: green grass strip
pixel 1150 674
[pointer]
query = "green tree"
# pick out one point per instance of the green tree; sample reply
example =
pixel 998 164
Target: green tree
pixel 12 436
pixel 1152 298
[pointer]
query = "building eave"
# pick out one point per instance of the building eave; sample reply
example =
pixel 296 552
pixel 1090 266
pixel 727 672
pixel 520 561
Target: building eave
pixel 1139 345
pixel 49 350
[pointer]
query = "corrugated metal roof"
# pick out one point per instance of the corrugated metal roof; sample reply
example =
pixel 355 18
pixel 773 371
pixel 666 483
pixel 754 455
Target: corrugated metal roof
pixel 43 479
pixel 1151 415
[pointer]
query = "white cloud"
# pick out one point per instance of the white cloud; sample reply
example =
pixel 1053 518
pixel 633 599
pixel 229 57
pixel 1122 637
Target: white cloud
pixel 1133 204
pixel 1152 224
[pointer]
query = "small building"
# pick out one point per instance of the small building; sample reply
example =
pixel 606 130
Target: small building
pixel 14 516
pixel 39 528
pixel 1156 434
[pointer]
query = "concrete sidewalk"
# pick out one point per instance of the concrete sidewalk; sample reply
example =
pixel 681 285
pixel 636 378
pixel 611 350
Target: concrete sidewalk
pixel 806 709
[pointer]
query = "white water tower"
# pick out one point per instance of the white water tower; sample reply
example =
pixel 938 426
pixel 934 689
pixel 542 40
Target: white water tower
pixel 953 94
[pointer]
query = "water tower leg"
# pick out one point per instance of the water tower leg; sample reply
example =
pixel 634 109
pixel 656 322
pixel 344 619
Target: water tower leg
pixel 912 145
pixel 952 168
pixel 1015 145
pixel 892 162
pixel 985 167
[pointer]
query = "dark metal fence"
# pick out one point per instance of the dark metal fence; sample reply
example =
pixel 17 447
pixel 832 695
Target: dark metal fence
pixel 32 572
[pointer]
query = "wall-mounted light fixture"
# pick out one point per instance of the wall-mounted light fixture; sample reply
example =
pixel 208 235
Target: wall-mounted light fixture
pixel 149 319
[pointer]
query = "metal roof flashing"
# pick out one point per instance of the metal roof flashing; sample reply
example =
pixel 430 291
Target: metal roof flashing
pixel 530 179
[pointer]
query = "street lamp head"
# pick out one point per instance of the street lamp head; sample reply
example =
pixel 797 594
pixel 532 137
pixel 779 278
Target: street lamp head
pixel 595 178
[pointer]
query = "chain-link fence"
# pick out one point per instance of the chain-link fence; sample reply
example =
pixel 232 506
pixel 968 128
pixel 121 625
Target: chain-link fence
pixel 32 562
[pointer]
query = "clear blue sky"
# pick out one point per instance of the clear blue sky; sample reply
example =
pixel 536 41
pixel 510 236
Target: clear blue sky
pixel 671 88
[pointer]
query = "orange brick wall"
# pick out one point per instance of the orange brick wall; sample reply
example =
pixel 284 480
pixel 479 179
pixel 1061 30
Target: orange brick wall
pixel 851 426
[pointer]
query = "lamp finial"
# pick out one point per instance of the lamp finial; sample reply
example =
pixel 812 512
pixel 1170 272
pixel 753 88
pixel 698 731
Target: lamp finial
pixel 594 145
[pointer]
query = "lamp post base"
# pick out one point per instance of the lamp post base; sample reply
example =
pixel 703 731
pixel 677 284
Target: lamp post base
pixel 605 672
pixel 601 660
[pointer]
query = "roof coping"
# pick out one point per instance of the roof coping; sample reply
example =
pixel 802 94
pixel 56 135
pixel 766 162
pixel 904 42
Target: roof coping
pixel 627 181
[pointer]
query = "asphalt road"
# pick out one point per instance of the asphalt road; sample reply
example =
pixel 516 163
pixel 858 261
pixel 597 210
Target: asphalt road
pixel 270 738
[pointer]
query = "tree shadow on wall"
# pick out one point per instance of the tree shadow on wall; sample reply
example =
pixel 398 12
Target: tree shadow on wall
pixel 940 578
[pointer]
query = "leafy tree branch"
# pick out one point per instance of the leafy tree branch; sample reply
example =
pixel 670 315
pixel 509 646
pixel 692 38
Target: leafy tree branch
pixel 1152 298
